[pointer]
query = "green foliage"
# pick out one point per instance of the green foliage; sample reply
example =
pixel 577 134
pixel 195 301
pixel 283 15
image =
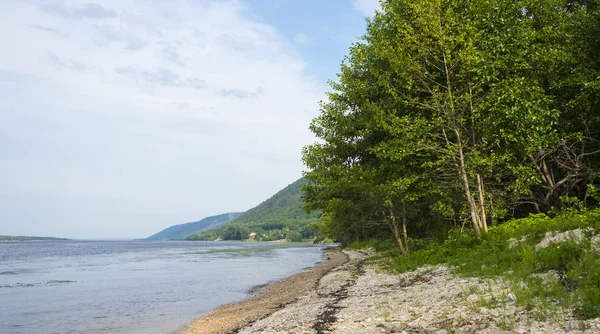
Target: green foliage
pixel 562 275
pixel 380 245
pixel 292 235
pixel 470 113
pixel 452 116
pixel 280 217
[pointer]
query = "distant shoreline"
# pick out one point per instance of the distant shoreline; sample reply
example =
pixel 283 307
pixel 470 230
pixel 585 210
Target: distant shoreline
pixel 20 238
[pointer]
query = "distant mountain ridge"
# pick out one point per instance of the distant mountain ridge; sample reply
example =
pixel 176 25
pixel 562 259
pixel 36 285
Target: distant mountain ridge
pixel 180 231
pixel 280 217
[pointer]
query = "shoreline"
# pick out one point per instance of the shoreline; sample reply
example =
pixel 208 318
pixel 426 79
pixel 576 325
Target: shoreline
pixel 356 297
pixel 267 299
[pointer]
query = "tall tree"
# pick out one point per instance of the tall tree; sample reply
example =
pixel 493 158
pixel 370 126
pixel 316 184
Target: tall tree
pixel 472 108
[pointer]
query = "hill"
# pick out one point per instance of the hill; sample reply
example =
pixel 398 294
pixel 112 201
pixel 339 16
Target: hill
pixel 179 232
pixel 279 217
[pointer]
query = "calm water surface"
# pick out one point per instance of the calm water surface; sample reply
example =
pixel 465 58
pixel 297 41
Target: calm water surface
pixel 133 286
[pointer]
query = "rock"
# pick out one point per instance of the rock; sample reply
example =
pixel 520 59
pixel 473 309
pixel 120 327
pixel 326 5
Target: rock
pixel 595 242
pixel 472 298
pixel 556 237
pixel 573 325
pixel 512 242
pixel 412 308
pixel 394 329
pixel 404 318
pixel 414 324
pixel 510 311
pixel 466 328
pixel 389 327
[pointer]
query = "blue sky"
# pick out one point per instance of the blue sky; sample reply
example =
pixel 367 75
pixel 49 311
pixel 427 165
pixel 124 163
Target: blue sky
pixel 326 27
pixel 121 117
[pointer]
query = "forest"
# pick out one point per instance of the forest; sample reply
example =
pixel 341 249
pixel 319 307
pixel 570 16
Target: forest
pixel 459 114
pixel 466 133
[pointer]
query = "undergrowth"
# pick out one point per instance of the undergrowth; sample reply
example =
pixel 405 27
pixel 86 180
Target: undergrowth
pixel 564 275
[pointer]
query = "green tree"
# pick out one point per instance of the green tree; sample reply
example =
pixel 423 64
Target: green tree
pixel 469 108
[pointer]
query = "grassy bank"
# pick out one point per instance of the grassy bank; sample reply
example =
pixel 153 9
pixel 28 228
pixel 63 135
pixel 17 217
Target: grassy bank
pixel 549 264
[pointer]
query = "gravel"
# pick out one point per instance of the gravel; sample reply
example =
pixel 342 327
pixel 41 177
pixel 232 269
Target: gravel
pixel 351 297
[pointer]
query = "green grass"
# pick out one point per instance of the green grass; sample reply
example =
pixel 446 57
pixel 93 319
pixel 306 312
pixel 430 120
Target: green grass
pixel 562 276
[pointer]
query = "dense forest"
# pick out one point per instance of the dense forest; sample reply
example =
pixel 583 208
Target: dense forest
pixel 459 115
pixel 279 217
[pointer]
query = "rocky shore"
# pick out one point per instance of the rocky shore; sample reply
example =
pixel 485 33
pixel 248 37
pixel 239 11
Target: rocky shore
pixel 352 297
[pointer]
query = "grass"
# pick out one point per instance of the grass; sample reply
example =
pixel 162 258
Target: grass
pixel 383 308
pixel 506 323
pixel 561 276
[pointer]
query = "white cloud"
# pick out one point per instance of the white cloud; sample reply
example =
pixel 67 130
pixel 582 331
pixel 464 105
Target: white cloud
pixel 89 10
pixel 136 115
pixel 302 39
pixel 71 64
pixel 366 7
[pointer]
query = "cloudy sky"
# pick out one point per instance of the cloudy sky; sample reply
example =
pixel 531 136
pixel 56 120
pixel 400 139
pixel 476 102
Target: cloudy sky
pixel 119 118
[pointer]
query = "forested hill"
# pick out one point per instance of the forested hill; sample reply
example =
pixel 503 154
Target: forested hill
pixel 179 232
pixel 279 217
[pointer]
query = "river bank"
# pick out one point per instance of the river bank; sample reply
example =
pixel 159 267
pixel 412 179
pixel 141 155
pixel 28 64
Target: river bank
pixel 267 300
pixel 354 297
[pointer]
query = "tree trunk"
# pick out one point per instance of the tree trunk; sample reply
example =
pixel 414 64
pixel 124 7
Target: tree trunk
pixel 465 180
pixel 482 203
pixel 462 169
pixel 492 221
pixel 393 225
pixel 404 233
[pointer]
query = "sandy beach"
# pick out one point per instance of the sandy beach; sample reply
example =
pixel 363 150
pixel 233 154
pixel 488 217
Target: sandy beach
pixel 344 295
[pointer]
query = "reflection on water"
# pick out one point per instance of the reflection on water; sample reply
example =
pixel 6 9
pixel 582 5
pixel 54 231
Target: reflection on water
pixel 132 286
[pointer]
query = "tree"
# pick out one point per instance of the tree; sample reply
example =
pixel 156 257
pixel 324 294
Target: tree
pixel 471 108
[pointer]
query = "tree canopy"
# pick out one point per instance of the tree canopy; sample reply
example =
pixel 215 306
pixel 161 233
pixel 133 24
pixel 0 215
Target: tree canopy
pixel 458 113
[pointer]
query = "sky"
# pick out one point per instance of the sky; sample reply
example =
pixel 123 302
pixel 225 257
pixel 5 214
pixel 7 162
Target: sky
pixel 119 118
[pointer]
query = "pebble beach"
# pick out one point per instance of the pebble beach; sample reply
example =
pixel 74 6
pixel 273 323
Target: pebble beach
pixel 345 295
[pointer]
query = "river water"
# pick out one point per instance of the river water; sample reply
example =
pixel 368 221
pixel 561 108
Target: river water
pixel 133 286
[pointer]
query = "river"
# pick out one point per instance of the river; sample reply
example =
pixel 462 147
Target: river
pixel 133 286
